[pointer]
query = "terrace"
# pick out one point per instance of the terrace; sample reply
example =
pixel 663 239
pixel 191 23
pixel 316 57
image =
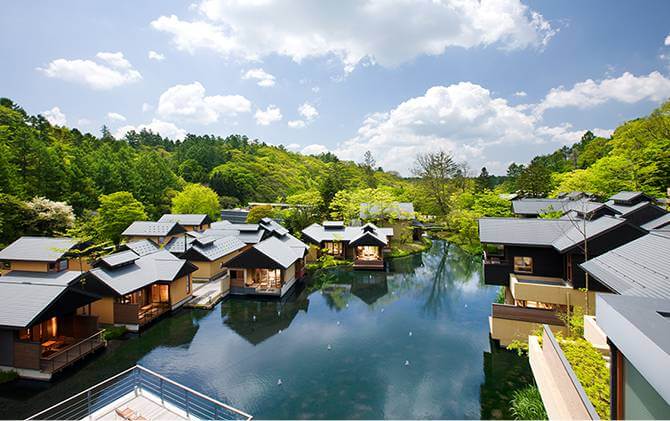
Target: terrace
pixel 140 394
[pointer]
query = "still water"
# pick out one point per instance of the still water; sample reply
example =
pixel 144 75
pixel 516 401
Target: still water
pixel 409 343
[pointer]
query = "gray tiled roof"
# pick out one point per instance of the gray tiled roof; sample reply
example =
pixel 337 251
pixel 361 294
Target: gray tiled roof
pixel 578 229
pixel 40 249
pixel 211 248
pixel 25 295
pixel 522 231
pixel 319 233
pixel 142 247
pixel 276 250
pixel 626 196
pixel 155 267
pixel 248 237
pixel 121 258
pixel 399 210
pixel 536 206
pixel 640 268
pixel 272 226
pixel 625 210
pixel 152 229
pixel 662 223
pixel 190 219
pixel 234 215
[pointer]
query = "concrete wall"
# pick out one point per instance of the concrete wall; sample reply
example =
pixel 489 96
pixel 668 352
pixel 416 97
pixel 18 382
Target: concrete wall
pixel 104 309
pixel 178 290
pixel 506 330
pixel 551 294
pixel 289 274
pixel 562 394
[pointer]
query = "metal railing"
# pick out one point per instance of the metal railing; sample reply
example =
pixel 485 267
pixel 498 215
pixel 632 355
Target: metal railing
pixel 118 390
pixel 72 353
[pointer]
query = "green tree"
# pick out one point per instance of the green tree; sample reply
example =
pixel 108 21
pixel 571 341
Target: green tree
pixel 196 198
pixel 259 212
pixel 14 218
pixel 535 180
pixel 438 171
pixel 116 212
pixel 484 181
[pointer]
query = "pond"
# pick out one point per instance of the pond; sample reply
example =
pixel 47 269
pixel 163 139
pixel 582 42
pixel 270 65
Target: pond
pixel 408 343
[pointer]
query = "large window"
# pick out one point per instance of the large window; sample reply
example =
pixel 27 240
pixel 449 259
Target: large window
pixel 333 248
pixel 523 264
pixel 640 399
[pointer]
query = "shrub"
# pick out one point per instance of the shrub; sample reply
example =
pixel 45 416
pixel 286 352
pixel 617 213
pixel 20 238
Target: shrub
pixel 114 332
pixel 8 376
pixel 527 404
pixel 500 298
pixel 592 372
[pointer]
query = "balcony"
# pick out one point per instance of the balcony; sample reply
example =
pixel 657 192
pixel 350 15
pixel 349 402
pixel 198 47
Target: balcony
pixel 496 270
pixel 547 290
pixel 510 322
pixel 67 356
pixel 140 394
pixel 134 315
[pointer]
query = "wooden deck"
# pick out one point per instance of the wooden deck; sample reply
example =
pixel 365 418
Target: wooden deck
pixel 369 264
pixel 141 406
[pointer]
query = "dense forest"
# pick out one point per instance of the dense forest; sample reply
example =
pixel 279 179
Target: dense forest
pixel 57 180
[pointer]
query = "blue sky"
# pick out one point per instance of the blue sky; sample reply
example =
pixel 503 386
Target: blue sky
pixel 492 82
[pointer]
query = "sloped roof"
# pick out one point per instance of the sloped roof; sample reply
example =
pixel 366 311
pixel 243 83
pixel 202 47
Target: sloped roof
pixel 26 295
pixel 640 268
pixel 628 196
pixel 319 233
pixel 536 206
pixel 142 247
pixel 398 210
pixel 591 229
pixel 248 237
pixel 161 266
pixel 120 258
pixel 38 249
pixel 662 223
pixel 210 248
pixel 153 229
pixel 626 210
pixel 278 251
pixel 368 238
pixel 272 226
pixel 189 219
pixel 234 215
pixel 522 231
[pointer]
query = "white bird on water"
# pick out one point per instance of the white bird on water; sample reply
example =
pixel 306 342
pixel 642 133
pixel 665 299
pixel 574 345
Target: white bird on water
pixel 253 318
pixel 382 309
pixel 338 322
pixel 279 382
pixel 406 363
pixel 329 347
pixel 410 333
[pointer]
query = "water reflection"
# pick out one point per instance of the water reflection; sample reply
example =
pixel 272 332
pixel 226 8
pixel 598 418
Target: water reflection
pixel 257 319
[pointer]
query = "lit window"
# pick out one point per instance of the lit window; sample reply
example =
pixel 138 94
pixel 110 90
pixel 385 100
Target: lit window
pixel 523 264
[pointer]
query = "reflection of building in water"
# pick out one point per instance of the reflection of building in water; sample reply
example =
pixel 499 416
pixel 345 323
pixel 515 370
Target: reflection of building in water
pixel 258 319
pixel 370 287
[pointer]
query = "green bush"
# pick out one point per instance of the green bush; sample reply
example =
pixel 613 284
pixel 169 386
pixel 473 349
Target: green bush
pixel 8 376
pixel 500 298
pixel 114 332
pixel 527 404
pixel 592 372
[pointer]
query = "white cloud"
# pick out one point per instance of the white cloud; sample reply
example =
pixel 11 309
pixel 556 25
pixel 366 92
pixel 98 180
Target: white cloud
pixel 153 55
pixel 268 116
pixel 520 93
pixel 296 124
pixel 293 146
pixel 463 119
pixel 111 71
pixel 116 116
pixel 667 40
pixel 164 128
pixel 315 89
pixel 308 111
pixel 146 107
pixel 350 31
pixel 189 102
pixel 264 78
pixel 314 149
pixel 55 116
pixel 84 122
pixel 627 88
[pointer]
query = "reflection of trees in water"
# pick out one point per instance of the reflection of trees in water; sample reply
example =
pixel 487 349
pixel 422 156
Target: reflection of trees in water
pixel 271 314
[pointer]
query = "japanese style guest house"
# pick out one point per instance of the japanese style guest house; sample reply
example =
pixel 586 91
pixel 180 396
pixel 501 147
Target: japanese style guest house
pixel 364 245
pixel 189 221
pixel 269 267
pixel 45 318
pixel 636 207
pixel 139 285
pixel 538 261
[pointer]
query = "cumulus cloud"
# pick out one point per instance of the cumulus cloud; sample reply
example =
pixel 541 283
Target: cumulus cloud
pixel 627 88
pixel 146 107
pixel 164 128
pixel 308 111
pixel 520 93
pixel 314 149
pixel 268 116
pixel 293 146
pixel 667 41
pixel 116 116
pixel 55 116
pixel 262 77
pixel 350 31
pixel 463 119
pixel 189 102
pixel 296 124
pixel 110 71
pixel 153 55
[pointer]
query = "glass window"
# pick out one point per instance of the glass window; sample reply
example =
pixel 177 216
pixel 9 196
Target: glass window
pixel 523 264
pixel 333 248
pixel 640 400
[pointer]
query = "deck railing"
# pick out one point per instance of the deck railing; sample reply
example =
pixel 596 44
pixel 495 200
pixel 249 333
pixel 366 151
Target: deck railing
pixel 526 314
pixel 72 353
pixel 135 381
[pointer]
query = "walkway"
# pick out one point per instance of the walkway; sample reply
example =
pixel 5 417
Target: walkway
pixel 207 295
